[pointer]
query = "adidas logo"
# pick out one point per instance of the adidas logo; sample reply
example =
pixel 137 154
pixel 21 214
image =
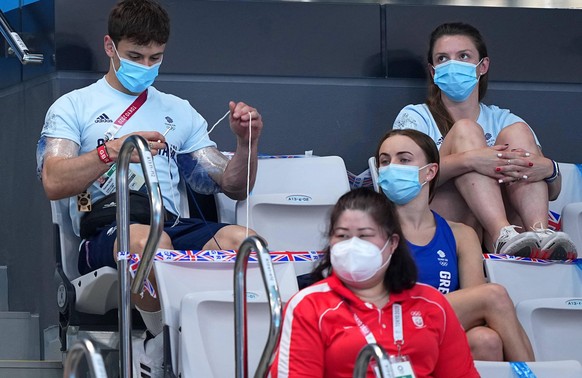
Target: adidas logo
pixel 103 119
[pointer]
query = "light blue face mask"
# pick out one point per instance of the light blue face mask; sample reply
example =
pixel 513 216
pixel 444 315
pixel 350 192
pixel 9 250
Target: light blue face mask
pixel 135 77
pixel 456 79
pixel 400 182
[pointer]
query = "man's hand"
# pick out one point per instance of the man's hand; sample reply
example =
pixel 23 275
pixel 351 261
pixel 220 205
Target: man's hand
pixel 241 115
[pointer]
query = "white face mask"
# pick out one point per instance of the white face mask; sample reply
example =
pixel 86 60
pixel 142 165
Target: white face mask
pixel 357 260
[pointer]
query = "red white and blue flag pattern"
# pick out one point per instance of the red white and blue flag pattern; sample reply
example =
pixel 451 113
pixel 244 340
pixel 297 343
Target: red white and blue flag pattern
pixel 216 256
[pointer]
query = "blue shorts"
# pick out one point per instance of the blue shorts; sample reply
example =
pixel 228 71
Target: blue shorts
pixel 189 233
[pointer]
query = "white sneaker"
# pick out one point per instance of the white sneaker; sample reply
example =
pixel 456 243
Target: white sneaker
pixel 511 242
pixel 148 357
pixel 556 245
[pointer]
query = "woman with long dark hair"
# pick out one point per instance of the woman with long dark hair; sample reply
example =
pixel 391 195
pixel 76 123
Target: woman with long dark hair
pixel 494 176
pixel 448 254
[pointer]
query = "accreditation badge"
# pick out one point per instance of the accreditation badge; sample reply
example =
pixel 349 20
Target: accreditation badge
pixel 401 367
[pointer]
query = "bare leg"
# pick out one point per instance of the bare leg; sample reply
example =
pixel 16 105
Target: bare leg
pixel 481 193
pixel 485 344
pixel 528 199
pixel 449 204
pixel 228 237
pixel 489 304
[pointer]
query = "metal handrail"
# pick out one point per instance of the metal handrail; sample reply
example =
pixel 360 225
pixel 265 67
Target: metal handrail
pixel 372 351
pixel 84 348
pixel 17 44
pixel 156 227
pixel 240 307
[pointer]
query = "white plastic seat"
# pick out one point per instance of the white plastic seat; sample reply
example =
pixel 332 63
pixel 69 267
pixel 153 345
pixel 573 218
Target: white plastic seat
pixel 95 293
pixel 374 173
pixel 86 302
pixel 548 300
pixel 291 199
pixel 290 203
pixel 549 369
pixel 198 308
pixel 572 223
pixel 566 210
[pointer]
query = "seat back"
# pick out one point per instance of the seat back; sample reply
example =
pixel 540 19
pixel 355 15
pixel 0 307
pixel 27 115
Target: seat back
pixel 549 369
pixel 374 173
pixel 553 326
pixel 526 280
pixel 548 299
pixel 68 241
pixel 291 199
pixel 198 307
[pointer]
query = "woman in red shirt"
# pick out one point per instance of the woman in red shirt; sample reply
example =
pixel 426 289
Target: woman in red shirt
pixel 371 281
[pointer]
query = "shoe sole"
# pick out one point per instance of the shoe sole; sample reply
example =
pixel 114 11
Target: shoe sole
pixel 558 252
pixel 523 248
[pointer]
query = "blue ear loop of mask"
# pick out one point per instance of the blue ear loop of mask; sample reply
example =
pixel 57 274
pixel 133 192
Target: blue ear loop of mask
pixel 456 79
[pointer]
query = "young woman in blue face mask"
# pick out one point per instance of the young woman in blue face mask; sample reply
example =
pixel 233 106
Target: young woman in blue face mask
pixel 494 176
pixel 370 279
pixel 447 254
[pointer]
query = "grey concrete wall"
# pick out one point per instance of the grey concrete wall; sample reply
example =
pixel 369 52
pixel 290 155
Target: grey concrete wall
pixel 26 233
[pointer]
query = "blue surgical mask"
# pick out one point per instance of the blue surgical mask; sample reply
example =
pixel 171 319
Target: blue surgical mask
pixel 135 77
pixel 456 79
pixel 400 182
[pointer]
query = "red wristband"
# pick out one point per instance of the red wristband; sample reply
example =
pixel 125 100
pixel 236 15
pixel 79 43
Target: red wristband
pixel 103 154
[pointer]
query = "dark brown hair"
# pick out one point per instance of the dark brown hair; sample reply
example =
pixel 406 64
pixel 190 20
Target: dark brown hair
pixel 401 273
pixel 438 110
pixel 426 144
pixel 139 21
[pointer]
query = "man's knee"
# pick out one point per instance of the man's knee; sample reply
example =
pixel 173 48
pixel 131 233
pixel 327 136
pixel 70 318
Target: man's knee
pixel 230 237
pixel 138 237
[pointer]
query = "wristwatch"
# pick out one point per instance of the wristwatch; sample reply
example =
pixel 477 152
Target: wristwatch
pixel 555 174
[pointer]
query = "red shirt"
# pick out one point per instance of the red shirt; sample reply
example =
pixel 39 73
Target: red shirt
pixel 320 337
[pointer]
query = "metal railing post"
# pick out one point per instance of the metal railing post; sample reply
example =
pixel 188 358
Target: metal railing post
pixel 17 44
pixel 84 348
pixel 156 227
pixel 372 351
pixel 240 307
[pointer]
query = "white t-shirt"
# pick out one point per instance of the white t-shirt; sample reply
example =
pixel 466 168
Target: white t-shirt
pixel 84 115
pixel 491 118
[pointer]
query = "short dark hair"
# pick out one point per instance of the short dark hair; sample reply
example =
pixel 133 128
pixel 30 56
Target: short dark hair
pixel 426 144
pixel 140 21
pixel 401 273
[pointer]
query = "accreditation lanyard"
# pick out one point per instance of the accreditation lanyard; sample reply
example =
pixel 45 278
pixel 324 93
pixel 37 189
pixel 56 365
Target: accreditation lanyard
pixel 397 330
pixel 105 183
pixel 126 115
pixel 399 365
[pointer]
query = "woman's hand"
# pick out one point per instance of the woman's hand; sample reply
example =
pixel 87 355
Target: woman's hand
pixel 485 160
pixel 519 164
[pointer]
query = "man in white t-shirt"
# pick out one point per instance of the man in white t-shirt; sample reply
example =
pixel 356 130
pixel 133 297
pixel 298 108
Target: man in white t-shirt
pixel 85 129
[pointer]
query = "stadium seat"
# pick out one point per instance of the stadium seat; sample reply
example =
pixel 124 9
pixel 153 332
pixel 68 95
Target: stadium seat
pixel 290 202
pixel 198 308
pixel 87 302
pixel 548 300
